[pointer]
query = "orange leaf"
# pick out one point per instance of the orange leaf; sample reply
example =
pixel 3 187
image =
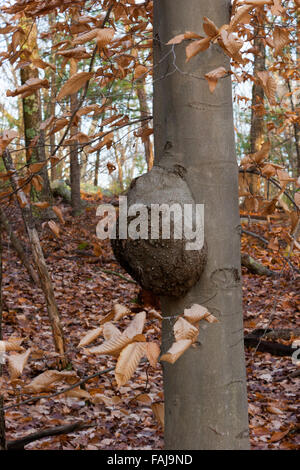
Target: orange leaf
pixel 195 47
pixel 74 84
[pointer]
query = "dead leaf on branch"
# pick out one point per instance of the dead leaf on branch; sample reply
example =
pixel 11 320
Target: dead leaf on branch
pixel 197 46
pixel 281 38
pixel 11 344
pixel 90 336
pixel 110 331
pixel 261 154
pixel 213 77
pixel 45 381
pixel 16 364
pixel 75 83
pixel 181 37
pixel 231 45
pixel 104 37
pixel 159 413
pixel 120 311
pixel 86 37
pixel 152 352
pixel 128 361
pixel 197 313
pixel 54 228
pixel 29 87
pixel 258 3
pixel 183 329
pixel 269 85
pixel 176 350
pixel 242 16
pixel 140 71
pixel 6 138
pixel 210 29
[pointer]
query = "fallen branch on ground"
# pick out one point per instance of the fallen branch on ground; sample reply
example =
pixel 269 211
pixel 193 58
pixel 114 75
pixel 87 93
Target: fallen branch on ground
pixel 277 349
pixel 255 267
pixel 19 444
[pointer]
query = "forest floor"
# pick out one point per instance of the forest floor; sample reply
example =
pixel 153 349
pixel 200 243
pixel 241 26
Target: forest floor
pixel 123 419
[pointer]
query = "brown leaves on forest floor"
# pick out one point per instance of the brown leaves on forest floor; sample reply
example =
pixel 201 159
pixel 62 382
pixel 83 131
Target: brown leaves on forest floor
pixel 123 418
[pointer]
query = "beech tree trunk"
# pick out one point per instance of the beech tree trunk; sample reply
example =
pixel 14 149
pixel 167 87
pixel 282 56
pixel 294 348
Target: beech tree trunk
pixel 205 390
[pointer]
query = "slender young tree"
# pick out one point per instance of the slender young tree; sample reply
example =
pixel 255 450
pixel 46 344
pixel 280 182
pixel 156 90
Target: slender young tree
pixel 205 390
pixel 32 112
pixel 74 157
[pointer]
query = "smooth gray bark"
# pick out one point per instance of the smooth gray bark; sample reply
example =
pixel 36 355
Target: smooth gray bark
pixel 205 390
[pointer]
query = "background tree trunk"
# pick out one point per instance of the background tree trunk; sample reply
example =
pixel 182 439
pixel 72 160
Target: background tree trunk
pixel 205 390
pixel 257 119
pixel 32 113
pixel 74 163
pixel 144 109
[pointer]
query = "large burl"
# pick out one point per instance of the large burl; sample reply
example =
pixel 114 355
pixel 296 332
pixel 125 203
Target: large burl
pixel 163 266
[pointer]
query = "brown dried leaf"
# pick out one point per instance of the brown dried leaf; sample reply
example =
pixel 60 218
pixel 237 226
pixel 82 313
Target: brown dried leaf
pixel 185 330
pixel 77 393
pixel 195 47
pixel 269 85
pixel 242 16
pixel 210 28
pixel 90 336
pixel 16 364
pixel 58 212
pixel 120 311
pixel 11 344
pixel 152 352
pixel 140 71
pixel 54 227
pixel 281 38
pixel 136 326
pixel 159 413
pixel 86 37
pixel 74 84
pixel 181 37
pixel 44 381
pixel 196 313
pixel 213 77
pixel 112 345
pixel 128 361
pixel 105 36
pixel 176 350
pixel 110 331
pixel 262 154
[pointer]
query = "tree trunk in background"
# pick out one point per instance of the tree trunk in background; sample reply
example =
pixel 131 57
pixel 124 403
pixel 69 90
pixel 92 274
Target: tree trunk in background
pixel 32 113
pixel 296 124
pixel 205 390
pixel 17 244
pixel 144 109
pixel 97 164
pixel 54 168
pixel 257 119
pixel 74 157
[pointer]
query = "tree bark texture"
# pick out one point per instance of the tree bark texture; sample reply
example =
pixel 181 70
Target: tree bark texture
pixel 205 390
